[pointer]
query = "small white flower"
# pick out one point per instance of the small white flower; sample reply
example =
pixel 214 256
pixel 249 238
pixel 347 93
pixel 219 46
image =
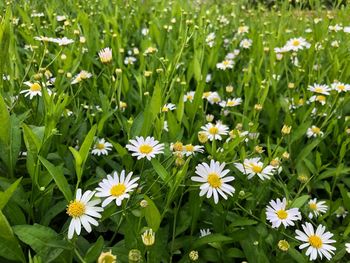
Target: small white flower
pixel 105 55
pixel 319 88
pixel 347 247
pixel 101 147
pixel 317 208
pixel 214 98
pixel 226 64
pixel 253 167
pixel 246 43
pixel 214 131
pixel 296 44
pixel 190 149
pixel 129 60
pixel 142 147
pixel 277 213
pixel 168 107
pixel 62 41
pixel 189 96
pixel 82 75
pixel 34 89
pixel 214 182
pixel 83 211
pixel 340 87
pixel 231 102
pixel 314 131
pixel 116 188
pixel 204 232
pixel 316 242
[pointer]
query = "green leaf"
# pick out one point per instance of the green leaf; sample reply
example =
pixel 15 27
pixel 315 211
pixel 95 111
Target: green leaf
pixel 94 251
pixel 152 214
pixel 85 147
pixel 5 123
pixel 152 109
pixel 43 240
pixel 218 238
pixel 9 248
pixel 300 201
pixel 33 145
pixel 6 195
pixel 297 256
pixel 161 171
pixel 58 176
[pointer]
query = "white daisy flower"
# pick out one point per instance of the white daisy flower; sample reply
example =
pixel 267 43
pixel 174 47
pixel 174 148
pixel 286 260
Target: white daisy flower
pixel 214 181
pixel 231 102
pixel 340 87
pixel 190 149
pixel 316 242
pixel 246 43
pixel 296 44
pixel 253 167
pixel 101 147
pixel 129 60
pixel 226 64
pixel 83 211
pixel 82 75
pixel 319 88
pixel 34 89
pixel 242 30
pixel 116 188
pixel 277 213
pixel 214 131
pixel 62 41
pixel 105 55
pixel 204 232
pixel 213 97
pixel 347 247
pixel 168 107
pixel 319 98
pixel 317 208
pixel 314 131
pixel 142 147
pixel 189 96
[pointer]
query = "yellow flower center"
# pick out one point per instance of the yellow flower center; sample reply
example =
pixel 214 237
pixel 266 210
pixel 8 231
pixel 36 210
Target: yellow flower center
pixel 189 148
pixel 189 97
pixel 226 62
pixel 315 241
pixel 296 43
pixel 35 87
pixel 341 87
pixel 214 180
pixel 177 147
pixel 76 209
pixel 282 214
pixel 118 190
pixel 319 89
pixel 213 130
pixel 321 98
pixel 313 206
pixel 165 109
pixel 100 146
pixel 315 130
pixel 145 149
pixel 231 103
pixel 256 168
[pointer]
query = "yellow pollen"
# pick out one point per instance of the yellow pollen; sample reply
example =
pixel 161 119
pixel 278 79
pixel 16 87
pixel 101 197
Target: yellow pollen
pixel 189 148
pixel 189 97
pixel 213 130
pixel 231 103
pixel 319 90
pixel 282 214
pixel 35 87
pixel 320 98
pixel 315 241
pixel 146 148
pixel 76 209
pixel 118 190
pixel 165 109
pixel 296 43
pixel 313 206
pixel 226 62
pixel 100 146
pixel 341 87
pixel 315 130
pixel 256 168
pixel 214 180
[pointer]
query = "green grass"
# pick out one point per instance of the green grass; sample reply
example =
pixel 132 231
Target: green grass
pixel 45 153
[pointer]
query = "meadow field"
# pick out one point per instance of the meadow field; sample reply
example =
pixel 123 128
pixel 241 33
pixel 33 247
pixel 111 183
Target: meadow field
pixel 174 131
